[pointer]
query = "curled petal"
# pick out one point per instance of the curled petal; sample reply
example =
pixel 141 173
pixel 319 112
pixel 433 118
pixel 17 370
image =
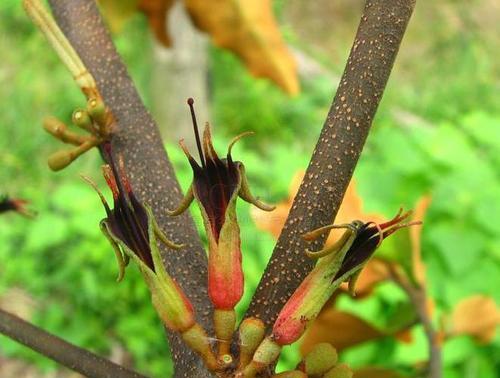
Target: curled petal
pixel 101 196
pixel 247 196
pixel 236 139
pixel 341 246
pixel 122 260
pixel 163 238
pixel 186 201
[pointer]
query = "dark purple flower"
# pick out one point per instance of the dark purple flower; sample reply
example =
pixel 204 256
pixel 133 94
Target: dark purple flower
pixel 368 237
pixel 129 221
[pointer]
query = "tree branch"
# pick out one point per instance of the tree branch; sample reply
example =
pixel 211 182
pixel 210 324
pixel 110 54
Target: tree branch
pixel 78 359
pixel 152 176
pixel 370 61
pixel 418 298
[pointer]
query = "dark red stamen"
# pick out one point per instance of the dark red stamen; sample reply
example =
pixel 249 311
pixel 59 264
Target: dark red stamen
pixel 190 102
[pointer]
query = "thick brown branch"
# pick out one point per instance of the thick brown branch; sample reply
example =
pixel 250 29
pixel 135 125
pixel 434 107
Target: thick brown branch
pixel 151 173
pixel 69 355
pixel 370 61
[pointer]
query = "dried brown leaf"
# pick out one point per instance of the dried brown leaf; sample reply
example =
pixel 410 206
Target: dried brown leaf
pixel 415 240
pixel 339 328
pixel 249 29
pixel 476 316
pixel 157 12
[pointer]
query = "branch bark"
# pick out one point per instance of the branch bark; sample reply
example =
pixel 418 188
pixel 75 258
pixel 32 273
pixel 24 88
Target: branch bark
pixel 418 298
pixel 381 29
pixel 139 142
pixel 78 359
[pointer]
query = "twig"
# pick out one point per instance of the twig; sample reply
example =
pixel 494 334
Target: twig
pixel 152 176
pixel 69 355
pixel 370 61
pixel 418 298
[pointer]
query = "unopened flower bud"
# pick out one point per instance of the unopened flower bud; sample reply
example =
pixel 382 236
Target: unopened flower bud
pixel 251 332
pixel 97 110
pixel 339 371
pixel 266 354
pixel 320 359
pixel 82 119
pixel 60 160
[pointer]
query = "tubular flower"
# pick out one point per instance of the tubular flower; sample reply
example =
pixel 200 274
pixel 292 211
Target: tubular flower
pixel 133 232
pixel 217 183
pixel 341 262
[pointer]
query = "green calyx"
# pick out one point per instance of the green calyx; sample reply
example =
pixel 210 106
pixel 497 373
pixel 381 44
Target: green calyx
pixel 170 302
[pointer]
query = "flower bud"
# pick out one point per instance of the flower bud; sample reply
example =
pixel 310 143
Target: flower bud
pixel 339 371
pixel 320 359
pixel 266 354
pixel 97 110
pixel 251 332
pixel 82 119
pixel 60 159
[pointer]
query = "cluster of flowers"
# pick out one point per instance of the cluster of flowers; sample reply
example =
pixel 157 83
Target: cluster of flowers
pixel 217 184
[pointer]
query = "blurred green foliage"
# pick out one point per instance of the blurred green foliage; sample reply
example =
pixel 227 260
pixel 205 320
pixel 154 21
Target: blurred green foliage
pixel 437 132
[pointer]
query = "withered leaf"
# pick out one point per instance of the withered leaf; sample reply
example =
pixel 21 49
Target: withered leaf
pixel 476 316
pixel 249 29
pixel 157 12
pixel 339 328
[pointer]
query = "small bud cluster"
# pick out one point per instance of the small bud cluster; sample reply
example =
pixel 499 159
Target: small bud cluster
pixel 95 119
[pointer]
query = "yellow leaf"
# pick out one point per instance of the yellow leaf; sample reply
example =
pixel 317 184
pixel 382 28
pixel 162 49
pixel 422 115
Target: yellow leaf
pixel 476 316
pixel 249 29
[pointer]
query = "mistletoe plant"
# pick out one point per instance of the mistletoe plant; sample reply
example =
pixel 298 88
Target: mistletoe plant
pixel 137 225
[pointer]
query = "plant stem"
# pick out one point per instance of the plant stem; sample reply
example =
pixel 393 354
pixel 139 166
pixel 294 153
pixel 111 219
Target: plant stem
pixel 138 140
pixel 381 29
pixel 69 355
pixel 418 298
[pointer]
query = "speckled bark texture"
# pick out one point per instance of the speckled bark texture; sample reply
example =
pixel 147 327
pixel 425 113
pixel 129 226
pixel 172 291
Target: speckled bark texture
pixel 374 50
pixel 151 174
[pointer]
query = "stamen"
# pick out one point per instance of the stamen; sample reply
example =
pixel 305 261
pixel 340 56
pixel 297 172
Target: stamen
pixel 111 180
pixel 396 227
pixel 398 218
pixel 190 102
pixel 380 234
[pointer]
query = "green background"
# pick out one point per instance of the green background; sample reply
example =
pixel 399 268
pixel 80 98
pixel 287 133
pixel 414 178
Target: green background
pixel 437 132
